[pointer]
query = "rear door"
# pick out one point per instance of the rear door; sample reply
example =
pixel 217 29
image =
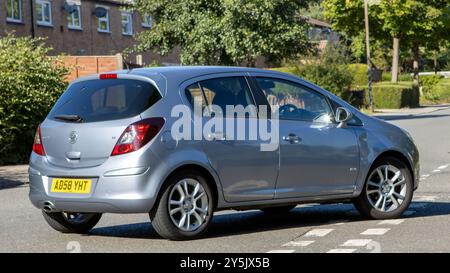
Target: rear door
pixel 246 172
pixel 105 108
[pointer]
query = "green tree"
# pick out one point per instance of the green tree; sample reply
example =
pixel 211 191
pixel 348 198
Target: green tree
pixel 228 32
pixel 30 83
pixel 415 23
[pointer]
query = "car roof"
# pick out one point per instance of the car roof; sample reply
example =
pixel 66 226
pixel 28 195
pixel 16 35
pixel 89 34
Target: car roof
pixel 186 72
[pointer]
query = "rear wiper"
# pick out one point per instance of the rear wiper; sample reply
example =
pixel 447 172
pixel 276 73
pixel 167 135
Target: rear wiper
pixel 71 118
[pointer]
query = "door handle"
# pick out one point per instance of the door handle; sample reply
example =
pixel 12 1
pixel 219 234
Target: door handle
pixel 292 138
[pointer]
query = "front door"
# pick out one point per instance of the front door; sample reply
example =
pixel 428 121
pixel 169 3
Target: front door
pixel 316 157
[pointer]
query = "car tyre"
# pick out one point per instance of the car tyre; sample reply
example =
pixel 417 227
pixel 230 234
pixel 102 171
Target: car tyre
pixel 367 202
pixel 71 222
pixel 187 193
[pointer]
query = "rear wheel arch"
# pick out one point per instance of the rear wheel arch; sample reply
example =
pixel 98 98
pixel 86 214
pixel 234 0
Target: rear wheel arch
pixel 204 172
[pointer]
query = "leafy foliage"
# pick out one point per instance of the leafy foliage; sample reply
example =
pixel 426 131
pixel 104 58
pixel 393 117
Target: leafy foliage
pixel 30 82
pixel 329 71
pixel 430 87
pixel 229 32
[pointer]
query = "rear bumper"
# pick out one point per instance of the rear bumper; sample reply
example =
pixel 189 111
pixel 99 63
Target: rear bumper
pixel 124 198
pixel 121 191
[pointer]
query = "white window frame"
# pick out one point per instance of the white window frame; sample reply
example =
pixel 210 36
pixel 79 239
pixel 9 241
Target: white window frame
pixel 129 20
pixel 106 19
pixel 12 19
pixel 147 21
pixel 42 3
pixel 70 24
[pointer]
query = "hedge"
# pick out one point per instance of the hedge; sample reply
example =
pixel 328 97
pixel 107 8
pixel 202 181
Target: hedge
pixel 393 96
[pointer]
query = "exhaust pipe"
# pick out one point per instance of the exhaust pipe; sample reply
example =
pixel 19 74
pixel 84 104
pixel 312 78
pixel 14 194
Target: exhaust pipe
pixel 49 207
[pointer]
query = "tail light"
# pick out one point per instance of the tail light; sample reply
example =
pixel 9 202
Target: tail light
pixel 137 135
pixel 38 147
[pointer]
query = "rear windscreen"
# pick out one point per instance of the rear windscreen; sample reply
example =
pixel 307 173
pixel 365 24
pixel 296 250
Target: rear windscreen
pixel 100 100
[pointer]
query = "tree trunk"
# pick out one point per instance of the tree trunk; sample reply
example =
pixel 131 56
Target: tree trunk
pixel 395 57
pixel 435 62
pixel 416 89
pixel 416 56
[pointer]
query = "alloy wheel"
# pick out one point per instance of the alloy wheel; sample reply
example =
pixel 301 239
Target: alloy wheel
pixel 188 204
pixel 386 188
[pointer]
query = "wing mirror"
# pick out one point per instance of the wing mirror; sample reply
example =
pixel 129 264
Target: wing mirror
pixel 342 116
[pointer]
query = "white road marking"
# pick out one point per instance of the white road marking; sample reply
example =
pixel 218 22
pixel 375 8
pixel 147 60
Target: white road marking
pixel 342 250
pixel 409 212
pixel 425 175
pixel 319 232
pixel 281 251
pixel 375 231
pixel 442 167
pixel 357 242
pixel 392 222
pixel 435 171
pixel 298 243
pixel 425 198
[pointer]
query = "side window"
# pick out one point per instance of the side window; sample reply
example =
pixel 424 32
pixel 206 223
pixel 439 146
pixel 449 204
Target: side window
pixel 229 91
pixel 195 96
pixel 294 101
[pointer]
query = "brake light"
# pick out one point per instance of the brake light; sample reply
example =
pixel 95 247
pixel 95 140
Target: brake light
pixel 108 76
pixel 137 135
pixel 38 147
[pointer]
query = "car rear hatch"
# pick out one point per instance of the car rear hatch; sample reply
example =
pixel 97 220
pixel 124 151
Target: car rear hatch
pixel 84 125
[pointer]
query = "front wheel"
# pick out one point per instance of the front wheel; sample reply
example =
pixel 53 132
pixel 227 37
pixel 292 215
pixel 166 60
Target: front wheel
pixel 388 190
pixel 185 208
pixel 71 222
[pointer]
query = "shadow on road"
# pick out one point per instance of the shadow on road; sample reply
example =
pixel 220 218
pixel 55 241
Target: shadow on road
pixel 8 183
pixel 408 117
pixel 236 223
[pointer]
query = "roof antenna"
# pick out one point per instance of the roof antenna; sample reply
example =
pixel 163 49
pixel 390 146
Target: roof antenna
pixel 101 12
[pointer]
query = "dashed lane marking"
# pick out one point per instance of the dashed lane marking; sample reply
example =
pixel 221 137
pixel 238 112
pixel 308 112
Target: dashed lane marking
pixel 298 243
pixel 319 232
pixel 392 222
pixel 357 242
pixel 435 171
pixel 342 250
pixel 442 167
pixel 425 175
pixel 375 231
pixel 425 198
pixel 281 251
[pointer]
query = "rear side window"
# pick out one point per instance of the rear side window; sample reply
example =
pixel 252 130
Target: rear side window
pixel 221 92
pixel 100 100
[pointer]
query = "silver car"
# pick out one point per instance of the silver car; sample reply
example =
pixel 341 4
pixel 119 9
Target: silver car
pixel 111 144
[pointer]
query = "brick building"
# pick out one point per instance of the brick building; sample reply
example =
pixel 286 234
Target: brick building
pixel 71 27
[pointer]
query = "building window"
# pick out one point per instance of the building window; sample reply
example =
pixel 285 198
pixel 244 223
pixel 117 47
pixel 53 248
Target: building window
pixel 44 12
pixel 74 18
pixel 103 22
pixel 147 21
pixel 14 10
pixel 127 23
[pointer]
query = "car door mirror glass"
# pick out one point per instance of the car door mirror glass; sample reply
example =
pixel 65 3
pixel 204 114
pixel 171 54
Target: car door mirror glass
pixel 342 116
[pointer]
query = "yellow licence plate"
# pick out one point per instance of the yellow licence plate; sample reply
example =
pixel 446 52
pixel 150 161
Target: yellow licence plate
pixel 69 185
